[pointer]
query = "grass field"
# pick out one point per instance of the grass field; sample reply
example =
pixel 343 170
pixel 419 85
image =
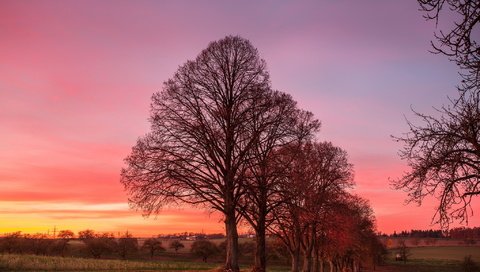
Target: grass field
pixel 43 263
pixel 435 258
pixel 422 259
pixel 446 253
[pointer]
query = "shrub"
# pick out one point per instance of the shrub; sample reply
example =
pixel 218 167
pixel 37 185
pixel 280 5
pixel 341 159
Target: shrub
pixel 204 249
pixel 153 245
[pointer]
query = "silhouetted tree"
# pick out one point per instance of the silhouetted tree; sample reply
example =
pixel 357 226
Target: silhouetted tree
pixel 460 43
pixel 153 245
pixel 205 124
pixel 403 250
pixel 64 236
pixel 288 126
pixel 38 243
pixel 316 177
pixel 11 242
pixel 127 244
pixel 204 249
pixel 444 156
pixel 444 151
pixel 176 245
pixel 97 244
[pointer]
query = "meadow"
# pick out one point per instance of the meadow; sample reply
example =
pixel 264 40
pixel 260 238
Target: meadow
pixel 421 259
pixel 14 262
pixel 433 258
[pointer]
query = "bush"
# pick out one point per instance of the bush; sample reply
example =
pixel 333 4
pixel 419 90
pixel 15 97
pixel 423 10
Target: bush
pixel 176 245
pixel 97 244
pixel 153 245
pixel 204 249
pixel 127 245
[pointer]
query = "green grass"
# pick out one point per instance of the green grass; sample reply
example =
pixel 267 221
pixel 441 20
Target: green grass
pixel 13 262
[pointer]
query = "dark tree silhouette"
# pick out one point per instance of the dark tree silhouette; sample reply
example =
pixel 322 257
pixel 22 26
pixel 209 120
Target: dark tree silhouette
pixel 64 236
pixel 460 43
pixel 317 175
pixel 126 245
pixel 444 156
pixel 288 126
pixel 176 245
pixel 403 250
pixel 204 249
pixel 153 245
pixel 97 244
pixel 205 123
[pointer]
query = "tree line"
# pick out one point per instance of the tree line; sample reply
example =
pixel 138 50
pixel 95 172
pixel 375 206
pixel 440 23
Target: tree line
pixel 94 244
pixel 89 243
pixel 223 139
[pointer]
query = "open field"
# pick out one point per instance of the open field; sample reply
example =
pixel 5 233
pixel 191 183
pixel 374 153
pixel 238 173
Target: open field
pixel 446 253
pixel 422 259
pixel 14 262
pixel 43 263
pixel 434 258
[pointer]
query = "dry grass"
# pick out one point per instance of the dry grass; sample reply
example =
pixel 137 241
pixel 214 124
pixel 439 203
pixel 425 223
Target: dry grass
pixel 12 262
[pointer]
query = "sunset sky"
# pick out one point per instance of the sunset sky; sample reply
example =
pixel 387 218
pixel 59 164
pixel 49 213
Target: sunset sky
pixel 76 79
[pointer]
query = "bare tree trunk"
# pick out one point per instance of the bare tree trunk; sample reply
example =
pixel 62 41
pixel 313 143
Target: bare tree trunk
pixel 309 244
pixel 295 255
pixel 307 261
pixel 330 264
pixel 260 255
pixel 315 265
pixel 231 261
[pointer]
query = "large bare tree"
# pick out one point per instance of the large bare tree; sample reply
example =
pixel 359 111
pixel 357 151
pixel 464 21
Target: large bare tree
pixel 204 125
pixel 444 156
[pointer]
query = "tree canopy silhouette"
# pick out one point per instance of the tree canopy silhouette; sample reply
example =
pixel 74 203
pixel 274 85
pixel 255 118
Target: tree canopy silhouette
pixel 205 124
pixel 460 43
pixel 444 156
pixel 444 151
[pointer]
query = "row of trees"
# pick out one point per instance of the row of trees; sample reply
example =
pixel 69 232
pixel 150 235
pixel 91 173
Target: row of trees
pixel 419 234
pixel 465 233
pixel 38 244
pixel 95 244
pixel 222 139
